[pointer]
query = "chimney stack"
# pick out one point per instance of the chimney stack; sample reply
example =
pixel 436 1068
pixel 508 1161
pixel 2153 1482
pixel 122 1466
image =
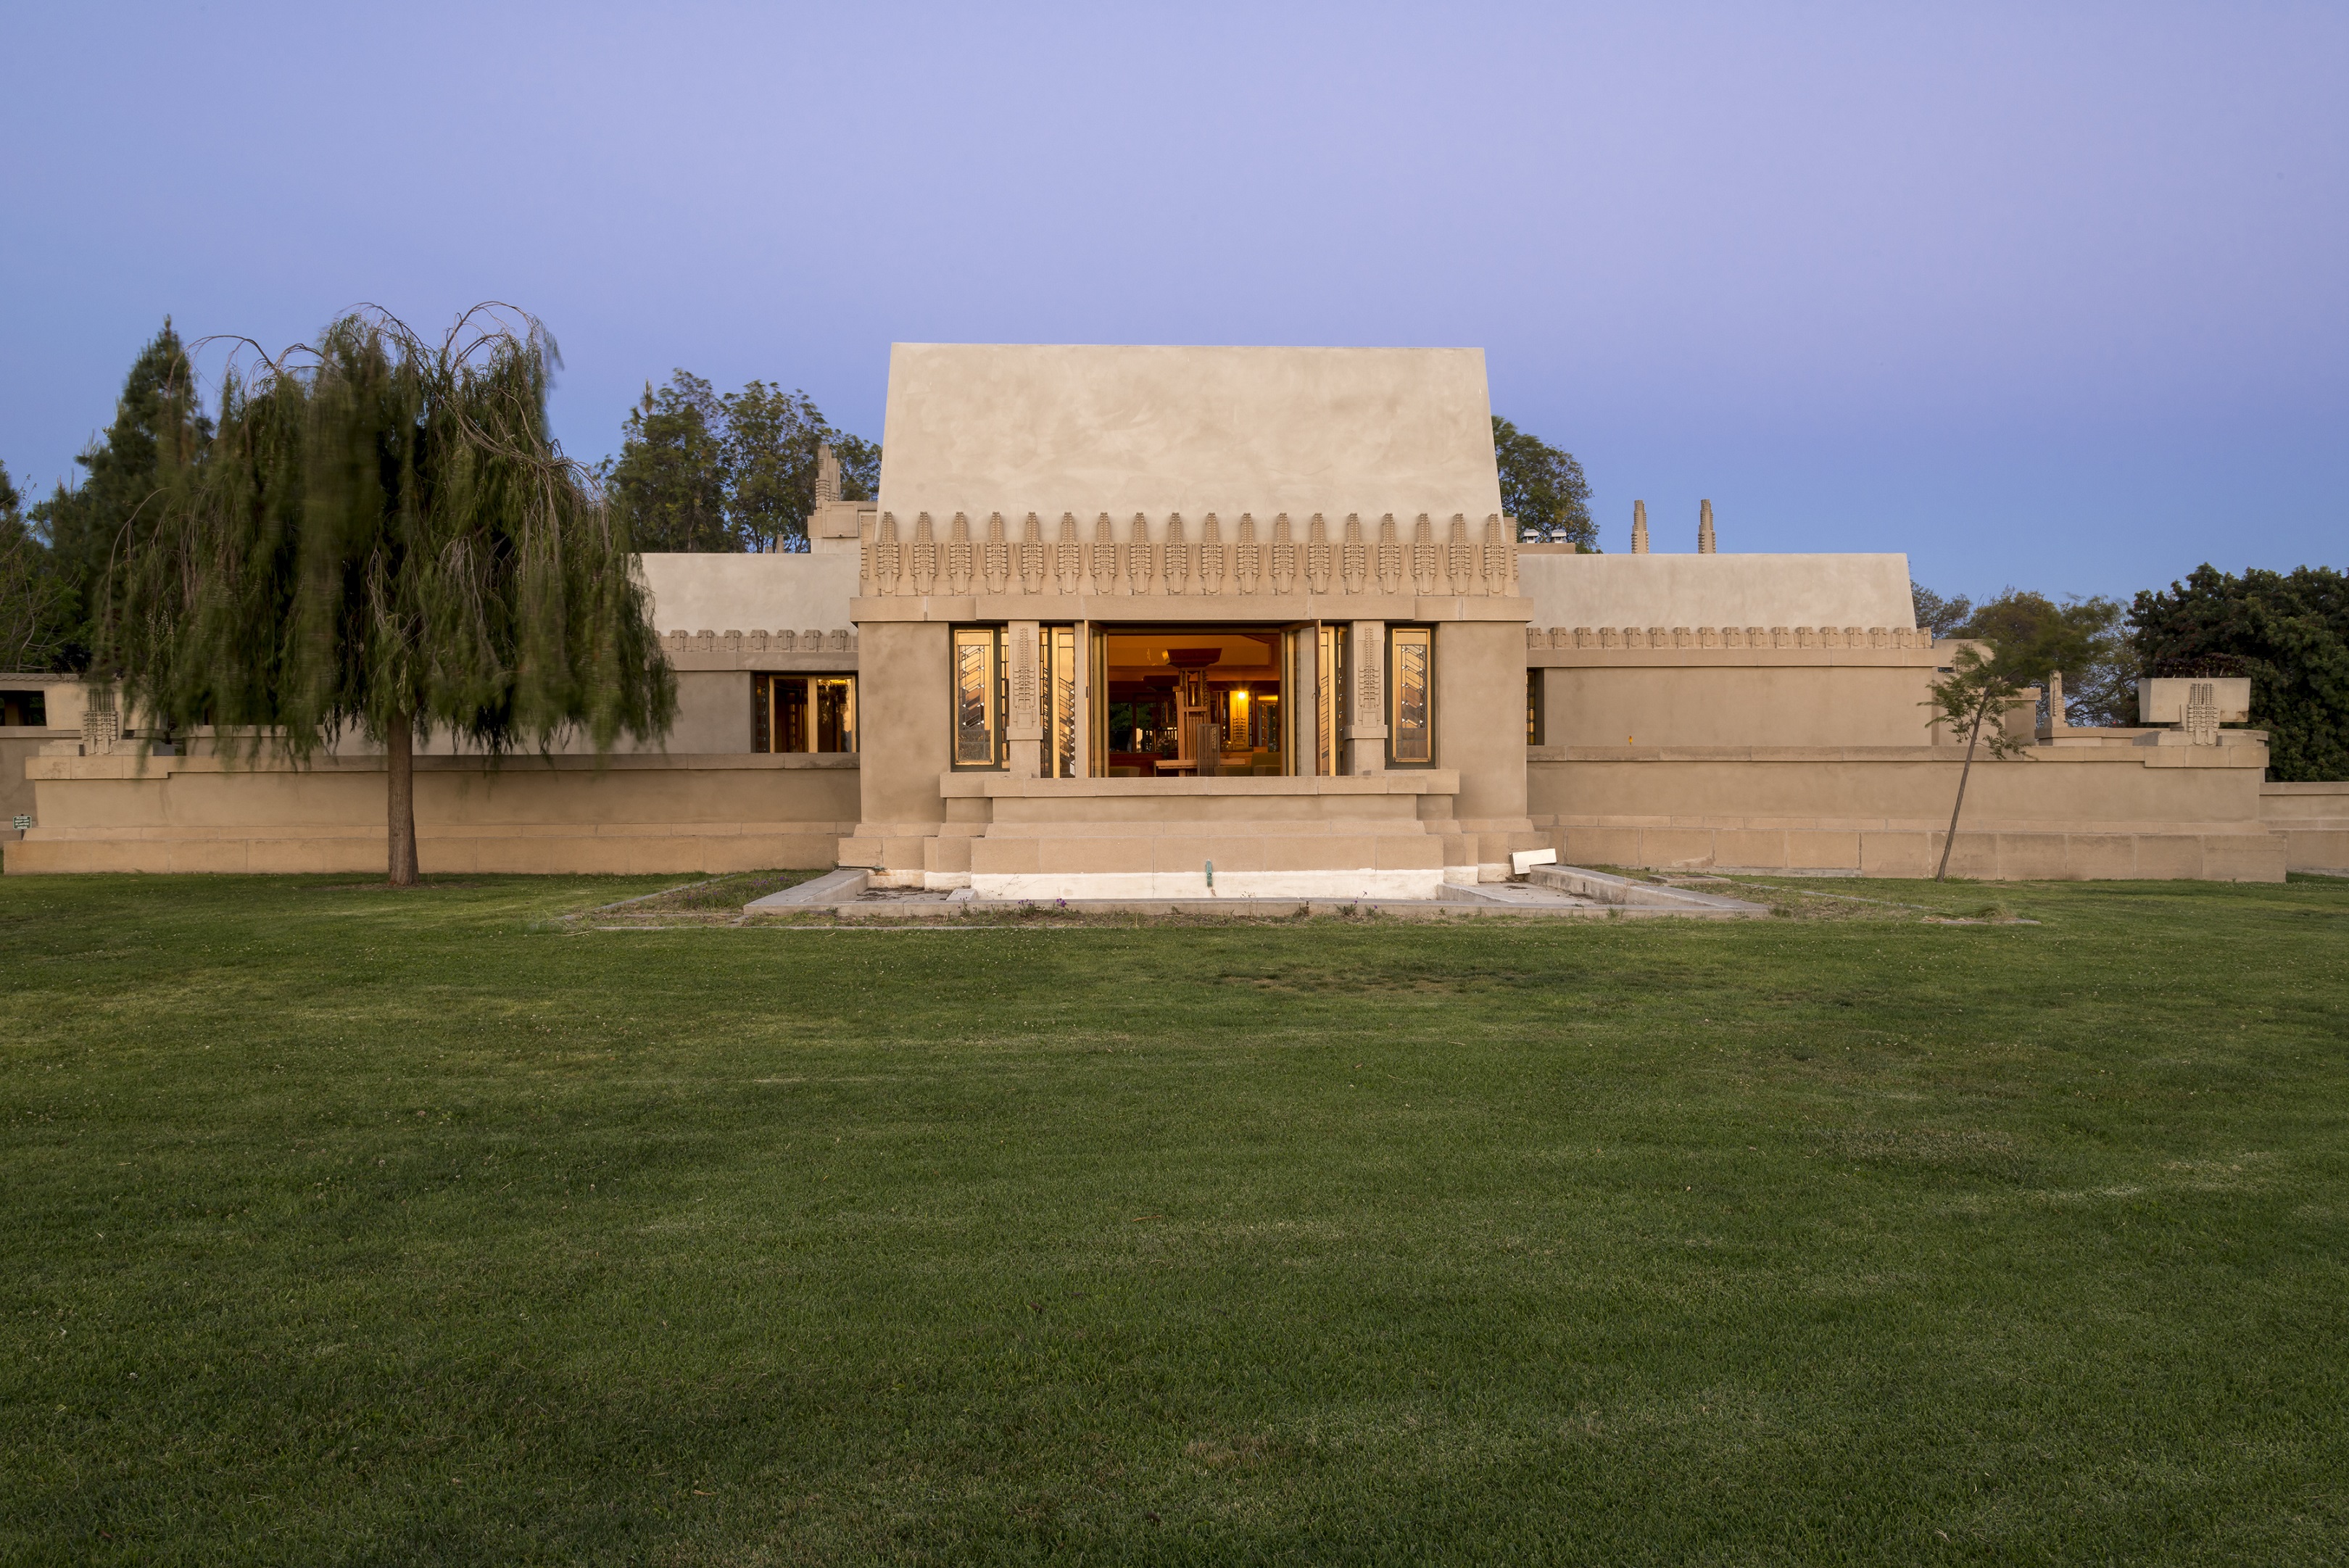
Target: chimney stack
pixel 1639 527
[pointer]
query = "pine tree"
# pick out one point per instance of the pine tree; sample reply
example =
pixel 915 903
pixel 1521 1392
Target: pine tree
pixel 157 424
pixel 32 600
pixel 386 538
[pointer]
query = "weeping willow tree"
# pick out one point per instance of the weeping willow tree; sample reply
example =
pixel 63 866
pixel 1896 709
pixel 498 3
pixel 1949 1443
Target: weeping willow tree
pixel 383 539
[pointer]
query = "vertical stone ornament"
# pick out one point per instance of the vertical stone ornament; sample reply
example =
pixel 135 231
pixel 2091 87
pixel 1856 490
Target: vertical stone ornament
pixel 997 556
pixel 1390 556
pixel 2201 721
pixel 1639 527
pixel 1141 557
pixel 1103 559
pixel 1032 556
pixel 1178 555
pixel 1067 556
pixel 1317 555
pixel 886 554
pixel 1705 542
pixel 1211 555
pixel 1353 555
pixel 1460 557
pixel 1497 551
pixel 1424 556
pixel 1247 555
pixel 1284 555
pixel 864 556
pixel 1368 663
pixel 959 554
pixel 926 554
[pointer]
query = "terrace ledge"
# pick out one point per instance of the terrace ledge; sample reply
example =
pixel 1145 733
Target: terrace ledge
pixel 1002 786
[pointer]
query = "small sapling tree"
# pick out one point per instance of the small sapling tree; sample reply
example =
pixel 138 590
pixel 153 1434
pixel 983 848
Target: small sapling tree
pixel 1972 694
pixel 384 537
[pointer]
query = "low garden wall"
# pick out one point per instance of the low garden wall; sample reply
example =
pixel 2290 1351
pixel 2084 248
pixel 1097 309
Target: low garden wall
pixel 2064 811
pixel 631 813
pixel 2313 820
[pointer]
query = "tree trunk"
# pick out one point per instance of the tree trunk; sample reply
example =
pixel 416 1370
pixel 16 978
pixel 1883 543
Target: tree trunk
pixel 1951 842
pixel 399 769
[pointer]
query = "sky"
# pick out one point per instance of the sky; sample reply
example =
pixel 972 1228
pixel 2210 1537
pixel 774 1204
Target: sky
pixel 2046 295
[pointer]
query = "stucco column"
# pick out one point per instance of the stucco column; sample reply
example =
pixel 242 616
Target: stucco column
pixel 903 671
pixel 1480 730
pixel 1023 729
pixel 1366 710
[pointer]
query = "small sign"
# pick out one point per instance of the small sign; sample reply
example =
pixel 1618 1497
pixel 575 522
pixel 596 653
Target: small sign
pixel 23 822
pixel 1523 860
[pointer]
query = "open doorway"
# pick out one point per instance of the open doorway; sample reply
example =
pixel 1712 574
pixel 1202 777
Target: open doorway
pixel 1197 702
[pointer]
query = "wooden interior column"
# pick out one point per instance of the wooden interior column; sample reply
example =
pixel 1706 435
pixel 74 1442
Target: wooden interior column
pixel 1366 708
pixel 1082 651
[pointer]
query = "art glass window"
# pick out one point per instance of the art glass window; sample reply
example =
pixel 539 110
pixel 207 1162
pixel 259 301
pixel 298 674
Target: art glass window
pixel 977 697
pixel 1410 686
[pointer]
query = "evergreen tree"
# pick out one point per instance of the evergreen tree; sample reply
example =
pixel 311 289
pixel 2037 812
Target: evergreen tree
pixel 32 600
pixel 701 472
pixel 387 539
pixel 2035 637
pixel 157 424
pixel 2288 631
pixel 772 437
pixel 1940 616
pixel 669 483
pixel 1543 488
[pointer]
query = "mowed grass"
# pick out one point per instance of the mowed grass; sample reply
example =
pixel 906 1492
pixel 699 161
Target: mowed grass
pixel 345 1226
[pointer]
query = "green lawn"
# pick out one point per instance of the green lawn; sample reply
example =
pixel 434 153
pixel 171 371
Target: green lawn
pixel 345 1226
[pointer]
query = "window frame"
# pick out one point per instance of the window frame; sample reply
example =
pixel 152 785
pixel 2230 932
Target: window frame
pixel 1416 631
pixel 764 707
pixel 999 707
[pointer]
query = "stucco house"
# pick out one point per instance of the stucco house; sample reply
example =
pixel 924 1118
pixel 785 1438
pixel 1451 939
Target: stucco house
pixel 1122 614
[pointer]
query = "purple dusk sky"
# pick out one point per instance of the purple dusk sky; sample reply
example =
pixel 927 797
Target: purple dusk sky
pixel 2050 295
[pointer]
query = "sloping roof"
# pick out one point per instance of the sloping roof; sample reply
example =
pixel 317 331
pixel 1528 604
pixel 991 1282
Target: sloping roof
pixel 1048 428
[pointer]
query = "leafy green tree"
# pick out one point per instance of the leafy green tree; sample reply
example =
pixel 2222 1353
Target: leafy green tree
pixel 2288 631
pixel 2036 637
pixel 33 602
pixel 157 424
pixel 1543 488
pixel 1940 616
pixel 702 472
pixel 669 483
pixel 1977 689
pixel 385 537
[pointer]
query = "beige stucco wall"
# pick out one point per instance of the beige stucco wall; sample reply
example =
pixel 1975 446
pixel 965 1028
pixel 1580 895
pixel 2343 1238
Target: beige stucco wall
pixel 1480 725
pixel 1048 428
pixel 1823 590
pixel 1788 704
pixel 562 814
pixel 2315 821
pixel 903 685
pixel 799 593
pixel 2066 813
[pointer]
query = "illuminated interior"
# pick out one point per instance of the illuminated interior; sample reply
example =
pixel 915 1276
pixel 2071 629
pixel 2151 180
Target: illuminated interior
pixel 1195 701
